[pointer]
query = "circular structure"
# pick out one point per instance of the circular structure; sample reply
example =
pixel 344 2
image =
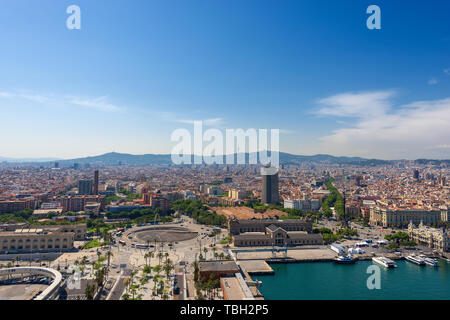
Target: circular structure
pixel 161 234
pixel 51 290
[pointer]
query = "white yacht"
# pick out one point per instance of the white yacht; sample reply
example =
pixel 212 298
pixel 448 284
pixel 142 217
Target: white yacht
pixel 429 261
pixel 385 262
pixel 416 260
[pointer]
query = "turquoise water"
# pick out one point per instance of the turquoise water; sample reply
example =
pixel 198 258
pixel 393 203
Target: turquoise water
pixel 317 281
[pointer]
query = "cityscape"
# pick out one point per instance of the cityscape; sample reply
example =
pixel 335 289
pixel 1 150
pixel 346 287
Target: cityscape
pixel 212 151
pixel 169 232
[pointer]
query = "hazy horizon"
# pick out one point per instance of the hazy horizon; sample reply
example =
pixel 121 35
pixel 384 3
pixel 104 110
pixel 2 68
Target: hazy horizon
pixel 49 159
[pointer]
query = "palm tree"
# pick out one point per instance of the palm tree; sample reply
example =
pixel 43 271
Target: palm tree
pixel 146 255
pixel 134 288
pixel 89 291
pixel 109 254
pixel 168 267
pixel 82 268
pixel 166 255
pixel 160 255
pixel 151 255
pixel 205 250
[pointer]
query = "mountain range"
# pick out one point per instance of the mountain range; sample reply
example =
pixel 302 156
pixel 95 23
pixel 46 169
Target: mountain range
pixel 114 158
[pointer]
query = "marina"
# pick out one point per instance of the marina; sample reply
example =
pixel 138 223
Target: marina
pixel 309 281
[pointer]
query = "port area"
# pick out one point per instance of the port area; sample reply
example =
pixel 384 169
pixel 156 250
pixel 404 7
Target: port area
pixel 254 263
pixel 256 267
pixel 249 258
pixel 291 255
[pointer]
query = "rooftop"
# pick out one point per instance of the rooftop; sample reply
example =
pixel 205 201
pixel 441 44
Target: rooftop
pixel 217 266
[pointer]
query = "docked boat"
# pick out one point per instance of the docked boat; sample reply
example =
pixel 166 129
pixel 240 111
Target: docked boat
pixel 385 262
pixel 416 260
pixel 345 260
pixel 429 261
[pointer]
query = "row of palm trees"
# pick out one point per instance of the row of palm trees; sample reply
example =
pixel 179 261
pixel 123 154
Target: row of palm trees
pixel 216 256
pixel 134 284
pixel 100 270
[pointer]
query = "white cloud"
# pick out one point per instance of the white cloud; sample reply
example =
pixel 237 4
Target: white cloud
pixel 97 103
pixel 100 103
pixel 386 132
pixel 360 105
pixel 447 71
pixel 206 122
pixel 5 95
pixel 433 81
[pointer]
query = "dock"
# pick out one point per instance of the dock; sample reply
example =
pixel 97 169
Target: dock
pixel 256 267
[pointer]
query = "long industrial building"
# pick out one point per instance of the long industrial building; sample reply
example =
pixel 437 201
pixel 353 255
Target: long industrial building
pixel 272 232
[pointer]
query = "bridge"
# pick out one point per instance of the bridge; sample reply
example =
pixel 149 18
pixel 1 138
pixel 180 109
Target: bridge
pixel 48 293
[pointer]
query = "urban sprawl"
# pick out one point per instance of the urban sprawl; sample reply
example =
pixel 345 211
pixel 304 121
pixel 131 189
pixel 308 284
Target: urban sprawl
pixel 183 232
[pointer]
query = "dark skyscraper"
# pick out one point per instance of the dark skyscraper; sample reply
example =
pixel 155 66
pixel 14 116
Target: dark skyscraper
pixel 96 182
pixel 85 187
pixel 416 174
pixel 270 192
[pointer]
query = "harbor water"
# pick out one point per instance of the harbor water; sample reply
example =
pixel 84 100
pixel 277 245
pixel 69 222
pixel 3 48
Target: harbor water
pixel 330 281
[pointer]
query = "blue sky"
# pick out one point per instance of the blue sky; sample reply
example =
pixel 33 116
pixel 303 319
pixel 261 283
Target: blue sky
pixel 137 70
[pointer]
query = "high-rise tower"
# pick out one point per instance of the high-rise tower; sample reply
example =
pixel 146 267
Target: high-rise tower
pixel 95 187
pixel 85 187
pixel 270 193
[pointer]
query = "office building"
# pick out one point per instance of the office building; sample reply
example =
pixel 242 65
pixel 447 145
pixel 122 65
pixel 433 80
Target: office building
pixel 85 187
pixel 437 239
pixel 95 191
pixel 270 192
pixel 386 217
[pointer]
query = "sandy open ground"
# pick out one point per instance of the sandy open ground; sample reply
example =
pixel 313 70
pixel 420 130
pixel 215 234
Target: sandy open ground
pixel 70 257
pixel 245 213
pixel 303 254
